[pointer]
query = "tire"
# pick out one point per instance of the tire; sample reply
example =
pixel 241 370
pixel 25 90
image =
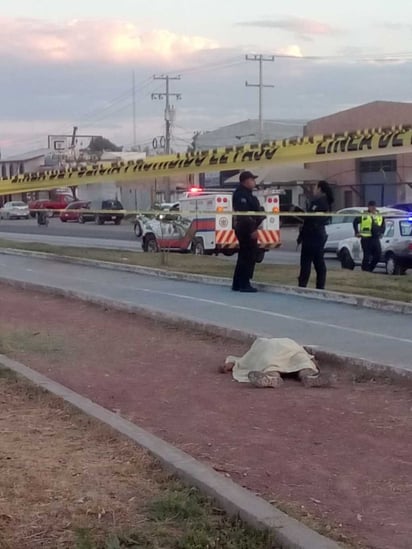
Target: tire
pixel 392 266
pixel 138 231
pixel 198 247
pixel 99 221
pixel 63 220
pixel 150 244
pixel 81 219
pixel 260 256
pixel 118 221
pixel 229 253
pixel 346 260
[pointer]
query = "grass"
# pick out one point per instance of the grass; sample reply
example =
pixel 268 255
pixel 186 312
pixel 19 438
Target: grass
pixel 69 482
pixel 397 288
pixel 28 342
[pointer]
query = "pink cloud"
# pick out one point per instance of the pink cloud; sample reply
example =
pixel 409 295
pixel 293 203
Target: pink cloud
pixel 108 40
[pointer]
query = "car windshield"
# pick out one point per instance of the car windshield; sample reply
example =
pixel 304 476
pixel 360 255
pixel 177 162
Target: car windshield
pixel 15 204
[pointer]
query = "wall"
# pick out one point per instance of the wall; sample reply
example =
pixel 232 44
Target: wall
pixel 345 173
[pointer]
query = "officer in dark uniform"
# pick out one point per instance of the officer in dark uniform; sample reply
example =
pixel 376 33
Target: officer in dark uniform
pixel 313 237
pixel 246 232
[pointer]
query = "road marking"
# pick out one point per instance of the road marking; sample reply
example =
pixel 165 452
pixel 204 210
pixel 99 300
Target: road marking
pixel 277 315
pixel 233 306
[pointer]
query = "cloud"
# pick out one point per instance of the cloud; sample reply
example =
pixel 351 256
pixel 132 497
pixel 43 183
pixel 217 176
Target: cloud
pixel 291 51
pixel 298 25
pixel 99 40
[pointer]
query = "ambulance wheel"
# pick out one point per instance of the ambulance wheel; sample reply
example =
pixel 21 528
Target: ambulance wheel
pixel 229 253
pixel 198 248
pixel 260 256
pixel 150 244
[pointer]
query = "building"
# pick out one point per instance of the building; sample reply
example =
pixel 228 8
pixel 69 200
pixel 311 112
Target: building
pixel 290 179
pixel 29 162
pixel 247 131
pixel 386 180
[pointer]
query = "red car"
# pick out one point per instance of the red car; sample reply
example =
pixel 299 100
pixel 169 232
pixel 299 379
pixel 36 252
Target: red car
pixel 72 211
pixel 48 204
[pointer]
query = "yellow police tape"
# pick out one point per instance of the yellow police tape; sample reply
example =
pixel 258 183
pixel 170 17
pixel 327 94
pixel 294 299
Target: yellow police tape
pixel 175 214
pixel 361 144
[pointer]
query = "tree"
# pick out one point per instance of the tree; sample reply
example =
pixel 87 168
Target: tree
pixel 100 144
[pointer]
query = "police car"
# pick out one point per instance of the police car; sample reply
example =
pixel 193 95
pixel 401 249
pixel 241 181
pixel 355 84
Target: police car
pixel 396 247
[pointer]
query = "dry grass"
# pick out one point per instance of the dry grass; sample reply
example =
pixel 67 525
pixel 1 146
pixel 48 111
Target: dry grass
pixel 29 342
pixel 398 288
pixel 69 482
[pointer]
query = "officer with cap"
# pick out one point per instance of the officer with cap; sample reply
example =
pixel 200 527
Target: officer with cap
pixel 370 228
pixel 246 228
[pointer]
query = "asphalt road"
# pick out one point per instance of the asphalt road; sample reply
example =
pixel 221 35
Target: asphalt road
pixel 374 335
pixel 119 238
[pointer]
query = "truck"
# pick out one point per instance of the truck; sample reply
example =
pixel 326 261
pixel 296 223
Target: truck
pixel 203 225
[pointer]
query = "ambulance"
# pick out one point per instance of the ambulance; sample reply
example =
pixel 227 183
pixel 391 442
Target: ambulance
pixel 203 225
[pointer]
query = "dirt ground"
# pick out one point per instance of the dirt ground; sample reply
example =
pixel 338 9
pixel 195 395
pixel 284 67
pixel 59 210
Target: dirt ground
pixel 68 482
pixel 339 458
pixel 53 480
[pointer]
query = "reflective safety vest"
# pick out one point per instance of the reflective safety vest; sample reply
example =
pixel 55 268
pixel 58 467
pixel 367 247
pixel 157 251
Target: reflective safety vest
pixel 367 223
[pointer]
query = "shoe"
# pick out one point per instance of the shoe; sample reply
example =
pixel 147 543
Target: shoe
pixel 249 290
pixel 235 289
pixel 265 381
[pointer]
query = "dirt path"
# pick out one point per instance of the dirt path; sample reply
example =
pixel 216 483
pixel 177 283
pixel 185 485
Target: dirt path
pixel 339 457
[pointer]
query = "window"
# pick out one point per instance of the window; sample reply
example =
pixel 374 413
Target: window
pixel 405 228
pixel 373 166
pixel 390 229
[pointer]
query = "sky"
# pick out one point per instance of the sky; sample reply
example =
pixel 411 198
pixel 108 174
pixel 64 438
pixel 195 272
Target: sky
pixel 71 63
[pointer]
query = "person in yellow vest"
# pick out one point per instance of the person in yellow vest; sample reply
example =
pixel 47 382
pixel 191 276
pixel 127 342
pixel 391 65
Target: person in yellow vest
pixel 370 228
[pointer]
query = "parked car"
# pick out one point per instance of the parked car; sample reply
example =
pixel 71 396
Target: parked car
pixel 341 226
pixel 108 206
pixel 14 210
pixel 73 212
pixel 405 206
pixel 141 219
pixel 59 203
pixel 396 248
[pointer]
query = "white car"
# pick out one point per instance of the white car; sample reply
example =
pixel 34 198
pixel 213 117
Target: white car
pixel 15 210
pixel 396 247
pixel 341 226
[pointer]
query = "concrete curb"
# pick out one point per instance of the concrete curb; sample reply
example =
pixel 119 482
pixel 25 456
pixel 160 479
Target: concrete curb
pixel 358 367
pixel 235 500
pixel 323 295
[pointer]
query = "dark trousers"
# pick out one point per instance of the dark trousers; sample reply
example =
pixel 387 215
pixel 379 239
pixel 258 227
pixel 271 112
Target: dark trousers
pixel 372 252
pixel 246 261
pixel 313 251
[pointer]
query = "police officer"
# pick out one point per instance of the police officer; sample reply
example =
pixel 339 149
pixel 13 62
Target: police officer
pixel 246 231
pixel 372 227
pixel 313 237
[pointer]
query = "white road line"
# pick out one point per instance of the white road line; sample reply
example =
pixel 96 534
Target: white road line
pixel 239 308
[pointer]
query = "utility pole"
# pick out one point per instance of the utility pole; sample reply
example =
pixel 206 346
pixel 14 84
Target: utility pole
pixel 166 95
pixel 134 111
pixel 261 59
